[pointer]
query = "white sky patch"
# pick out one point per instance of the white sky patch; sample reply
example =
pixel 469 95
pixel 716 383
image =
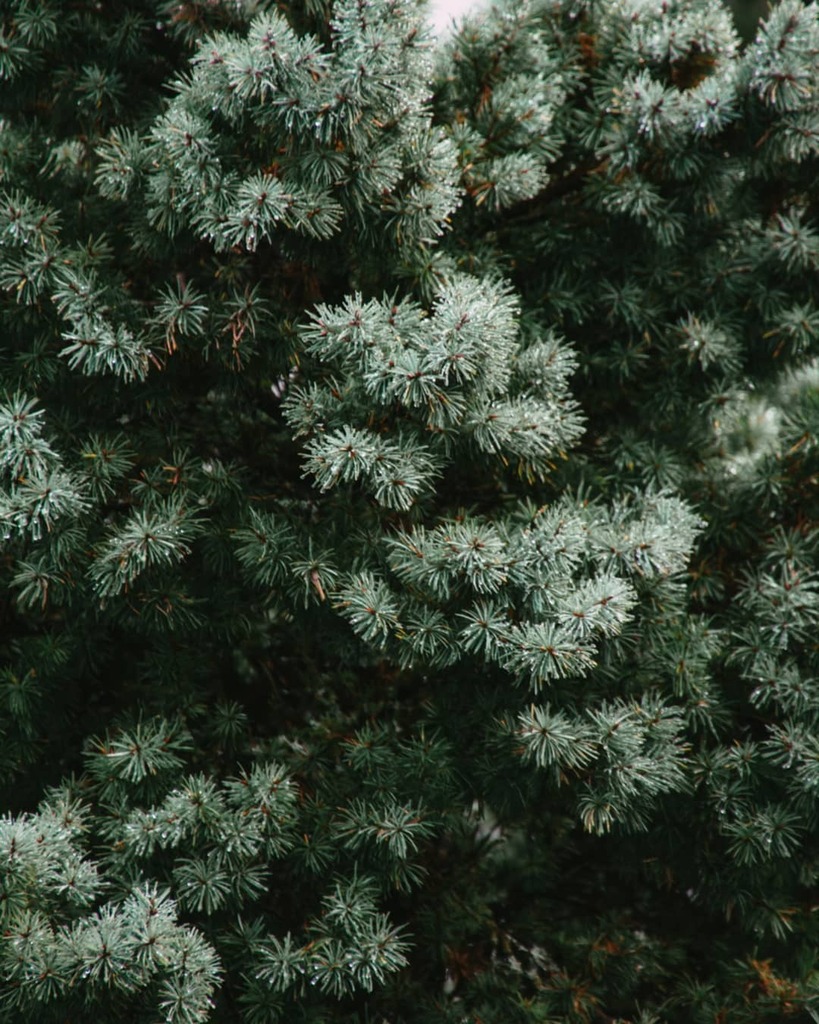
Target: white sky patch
pixel 440 13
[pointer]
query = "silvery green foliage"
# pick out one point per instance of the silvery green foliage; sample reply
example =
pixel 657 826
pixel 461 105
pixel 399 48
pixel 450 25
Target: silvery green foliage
pixel 273 133
pixel 38 492
pixel 61 935
pixel 451 375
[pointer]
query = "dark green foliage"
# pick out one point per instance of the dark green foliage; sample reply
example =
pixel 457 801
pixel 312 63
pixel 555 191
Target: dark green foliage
pixel 408 488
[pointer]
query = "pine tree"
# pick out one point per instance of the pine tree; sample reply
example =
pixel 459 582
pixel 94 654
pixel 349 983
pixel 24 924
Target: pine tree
pixel 408 480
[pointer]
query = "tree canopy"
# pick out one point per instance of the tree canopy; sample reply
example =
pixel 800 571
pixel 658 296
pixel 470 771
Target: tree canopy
pixel 408 489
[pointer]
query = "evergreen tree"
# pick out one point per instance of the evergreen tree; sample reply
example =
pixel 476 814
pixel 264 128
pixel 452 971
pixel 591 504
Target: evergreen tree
pixel 408 464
